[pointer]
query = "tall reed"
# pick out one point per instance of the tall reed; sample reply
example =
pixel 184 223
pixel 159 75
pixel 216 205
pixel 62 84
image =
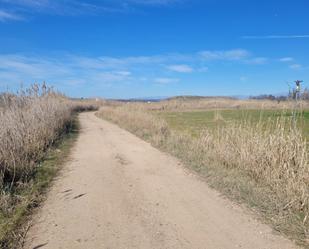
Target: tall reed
pixel 189 104
pixel 271 154
pixel 31 121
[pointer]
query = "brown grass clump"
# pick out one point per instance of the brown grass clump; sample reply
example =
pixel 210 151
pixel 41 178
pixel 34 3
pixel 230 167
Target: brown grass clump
pixel 264 164
pixel 30 122
pixel 188 104
pixel 136 120
pixel 274 156
pixel 84 105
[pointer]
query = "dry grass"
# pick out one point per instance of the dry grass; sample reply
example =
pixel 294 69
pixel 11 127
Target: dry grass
pixel 136 120
pixel 264 164
pixel 83 105
pixel 193 104
pixel 32 121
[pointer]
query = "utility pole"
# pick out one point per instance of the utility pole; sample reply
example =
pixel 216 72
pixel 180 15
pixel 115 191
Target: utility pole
pixel 296 96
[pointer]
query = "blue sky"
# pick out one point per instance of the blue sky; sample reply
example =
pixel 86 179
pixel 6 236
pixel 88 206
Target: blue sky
pixel 140 48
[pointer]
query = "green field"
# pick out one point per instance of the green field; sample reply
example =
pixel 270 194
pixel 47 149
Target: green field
pixel 195 121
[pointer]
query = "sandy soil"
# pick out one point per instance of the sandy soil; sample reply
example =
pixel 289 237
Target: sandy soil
pixel 118 192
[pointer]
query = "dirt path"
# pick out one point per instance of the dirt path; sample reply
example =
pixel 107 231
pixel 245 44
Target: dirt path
pixel 118 192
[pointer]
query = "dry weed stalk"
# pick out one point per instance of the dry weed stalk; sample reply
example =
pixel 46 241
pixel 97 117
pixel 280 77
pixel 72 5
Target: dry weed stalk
pixel 271 153
pixel 189 104
pixel 31 121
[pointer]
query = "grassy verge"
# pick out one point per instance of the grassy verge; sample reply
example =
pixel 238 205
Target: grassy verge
pixel 194 122
pixel 261 164
pixel 24 198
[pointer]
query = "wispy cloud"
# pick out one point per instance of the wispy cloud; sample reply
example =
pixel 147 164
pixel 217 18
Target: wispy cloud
pixel 154 2
pixel 276 37
pixel 286 59
pixel 166 80
pixel 67 70
pixel 16 69
pixel 257 60
pixel 124 73
pixel 184 68
pixel 181 68
pixel 240 55
pixel 8 16
pixel 77 7
pixel 296 66
pixel 236 54
pixel 30 3
pixel 202 69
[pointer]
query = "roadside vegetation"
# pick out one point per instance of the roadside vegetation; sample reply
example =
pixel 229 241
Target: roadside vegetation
pixel 38 126
pixel 248 149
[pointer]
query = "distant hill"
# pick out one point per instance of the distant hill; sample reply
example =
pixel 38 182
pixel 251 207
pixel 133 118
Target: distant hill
pixel 192 97
pixel 146 99
pixel 183 98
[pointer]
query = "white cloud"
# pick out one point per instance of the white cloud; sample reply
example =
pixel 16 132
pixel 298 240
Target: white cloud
pixel 69 69
pixel 154 2
pixel 236 54
pixel 286 59
pixel 108 76
pixel 276 37
pixel 295 66
pixel 31 3
pixel 103 2
pixel 16 68
pixel 78 7
pixel 257 60
pixel 7 16
pixel 32 67
pixel 181 68
pixel 166 80
pixel 240 55
pixel 203 69
pixel 124 73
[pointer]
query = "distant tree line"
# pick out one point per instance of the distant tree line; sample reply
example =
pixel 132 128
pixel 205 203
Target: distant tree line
pixel 303 95
pixel 269 97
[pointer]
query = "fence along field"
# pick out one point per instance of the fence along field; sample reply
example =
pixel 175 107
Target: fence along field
pixel 31 121
pixel 255 158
